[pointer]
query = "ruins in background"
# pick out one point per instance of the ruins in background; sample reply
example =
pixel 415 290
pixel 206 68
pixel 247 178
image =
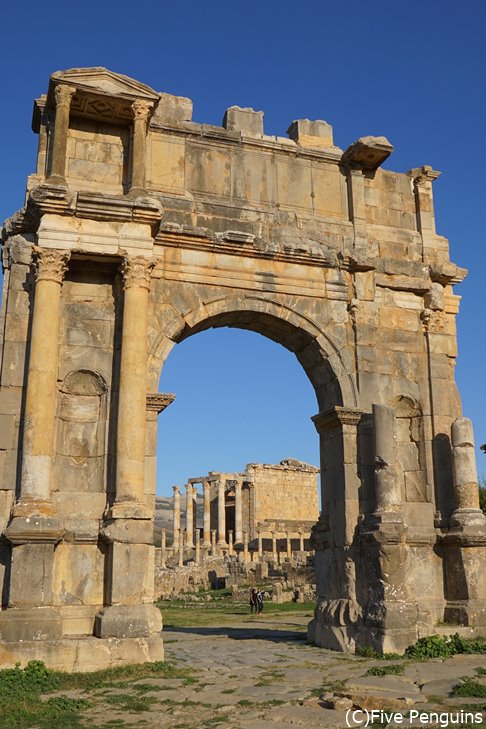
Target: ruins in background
pixel 141 228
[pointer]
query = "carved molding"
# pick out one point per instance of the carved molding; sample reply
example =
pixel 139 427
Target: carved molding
pixel 158 401
pixel 434 321
pixel 51 264
pixel 136 271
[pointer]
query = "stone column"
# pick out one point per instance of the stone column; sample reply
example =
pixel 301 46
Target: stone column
pixel 301 541
pixel 238 512
pixel 132 396
pixel 141 111
pixel 189 516
pixel 163 548
pixel 466 490
pixel 274 545
pixel 197 557
pixel 176 515
pixel 230 542
pixel 181 548
pixel 63 95
pixel 260 545
pixel 289 546
pixel 356 196
pixel 221 514
pixel 213 542
pixel 207 514
pixel 387 483
pixel 245 546
pixel 41 395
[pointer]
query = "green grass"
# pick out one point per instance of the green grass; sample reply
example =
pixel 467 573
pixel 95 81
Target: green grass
pixel 132 704
pixel 224 611
pixel 470 688
pixel 394 669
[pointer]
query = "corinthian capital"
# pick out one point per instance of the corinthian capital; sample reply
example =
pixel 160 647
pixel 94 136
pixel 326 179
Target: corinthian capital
pixel 64 94
pixel 136 272
pixel 141 109
pixel 51 264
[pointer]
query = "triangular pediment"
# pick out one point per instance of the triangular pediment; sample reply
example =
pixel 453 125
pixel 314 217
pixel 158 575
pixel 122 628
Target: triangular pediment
pixel 99 80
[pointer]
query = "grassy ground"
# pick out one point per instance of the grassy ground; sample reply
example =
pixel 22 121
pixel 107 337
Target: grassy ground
pixel 180 614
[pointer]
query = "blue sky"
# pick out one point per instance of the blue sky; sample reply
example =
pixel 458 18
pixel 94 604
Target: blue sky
pixel 412 71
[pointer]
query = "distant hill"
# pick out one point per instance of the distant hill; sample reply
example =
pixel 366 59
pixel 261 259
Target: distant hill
pixel 164 516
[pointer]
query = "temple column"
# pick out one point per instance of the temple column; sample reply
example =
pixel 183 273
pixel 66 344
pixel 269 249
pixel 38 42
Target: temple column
pixel 206 514
pixel 467 512
pixel 289 546
pixel 260 545
pixel 301 541
pixel 245 546
pixel 274 545
pixel 197 557
pixel 221 514
pixel 63 95
pixel 213 542
pixel 238 512
pixel 141 112
pixel 189 516
pixel 176 516
pixel 41 395
pixel 163 549
pixel 132 397
pixel 230 542
pixel 181 548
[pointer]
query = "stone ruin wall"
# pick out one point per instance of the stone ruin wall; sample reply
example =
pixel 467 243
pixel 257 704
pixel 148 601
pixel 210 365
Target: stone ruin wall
pixel 148 228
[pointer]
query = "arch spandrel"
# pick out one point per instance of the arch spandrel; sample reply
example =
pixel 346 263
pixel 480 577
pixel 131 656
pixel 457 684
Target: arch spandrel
pixel 315 349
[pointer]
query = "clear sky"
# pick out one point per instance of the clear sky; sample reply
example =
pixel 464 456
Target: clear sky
pixel 412 71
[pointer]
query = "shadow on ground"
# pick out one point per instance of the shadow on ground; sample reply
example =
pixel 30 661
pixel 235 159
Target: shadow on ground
pixel 253 633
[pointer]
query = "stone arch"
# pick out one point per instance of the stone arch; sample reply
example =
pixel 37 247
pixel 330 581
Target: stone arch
pixel 81 432
pixel 319 355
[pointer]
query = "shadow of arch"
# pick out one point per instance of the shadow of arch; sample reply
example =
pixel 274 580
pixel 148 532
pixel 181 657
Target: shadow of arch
pixel 318 354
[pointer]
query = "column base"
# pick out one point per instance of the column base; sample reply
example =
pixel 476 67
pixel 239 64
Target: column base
pixel 128 621
pixel 83 654
pixel 468 519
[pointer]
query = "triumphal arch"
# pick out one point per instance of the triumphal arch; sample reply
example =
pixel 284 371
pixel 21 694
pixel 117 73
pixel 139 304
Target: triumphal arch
pixel 141 227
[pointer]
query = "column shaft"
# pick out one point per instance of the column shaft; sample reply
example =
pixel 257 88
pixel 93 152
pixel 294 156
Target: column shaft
pixel 141 110
pixel 221 514
pixel 132 398
pixel 176 516
pixel 238 512
pixel 163 548
pixel 189 516
pixel 41 395
pixel 63 95
pixel 206 514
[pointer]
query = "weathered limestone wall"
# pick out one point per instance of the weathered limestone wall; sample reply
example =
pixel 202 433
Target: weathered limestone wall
pixel 284 493
pixel 142 228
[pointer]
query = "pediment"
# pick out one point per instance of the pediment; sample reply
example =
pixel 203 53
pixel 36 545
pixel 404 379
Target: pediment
pixel 99 80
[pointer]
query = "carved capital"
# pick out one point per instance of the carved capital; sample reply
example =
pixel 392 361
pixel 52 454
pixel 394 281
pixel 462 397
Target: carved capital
pixel 51 264
pixel 433 321
pixel 336 416
pixel 423 176
pixel 141 109
pixel 176 489
pixel 206 487
pixel 136 272
pixel 64 95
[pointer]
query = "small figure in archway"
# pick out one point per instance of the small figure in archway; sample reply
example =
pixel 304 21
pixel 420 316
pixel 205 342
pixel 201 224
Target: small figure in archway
pixel 259 602
pixel 253 600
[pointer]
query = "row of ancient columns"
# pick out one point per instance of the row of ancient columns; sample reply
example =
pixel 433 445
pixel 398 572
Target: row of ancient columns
pixel 191 495
pixel 41 391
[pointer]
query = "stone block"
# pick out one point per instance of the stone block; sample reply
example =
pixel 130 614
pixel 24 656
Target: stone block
pixel 36 623
pixel 78 619
pixel 7 428
pixel 128 572
pixel 117 621
pixel 173 109
pixel 78 575
pixel 31 575
pixel 308 133
pixel 245 120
